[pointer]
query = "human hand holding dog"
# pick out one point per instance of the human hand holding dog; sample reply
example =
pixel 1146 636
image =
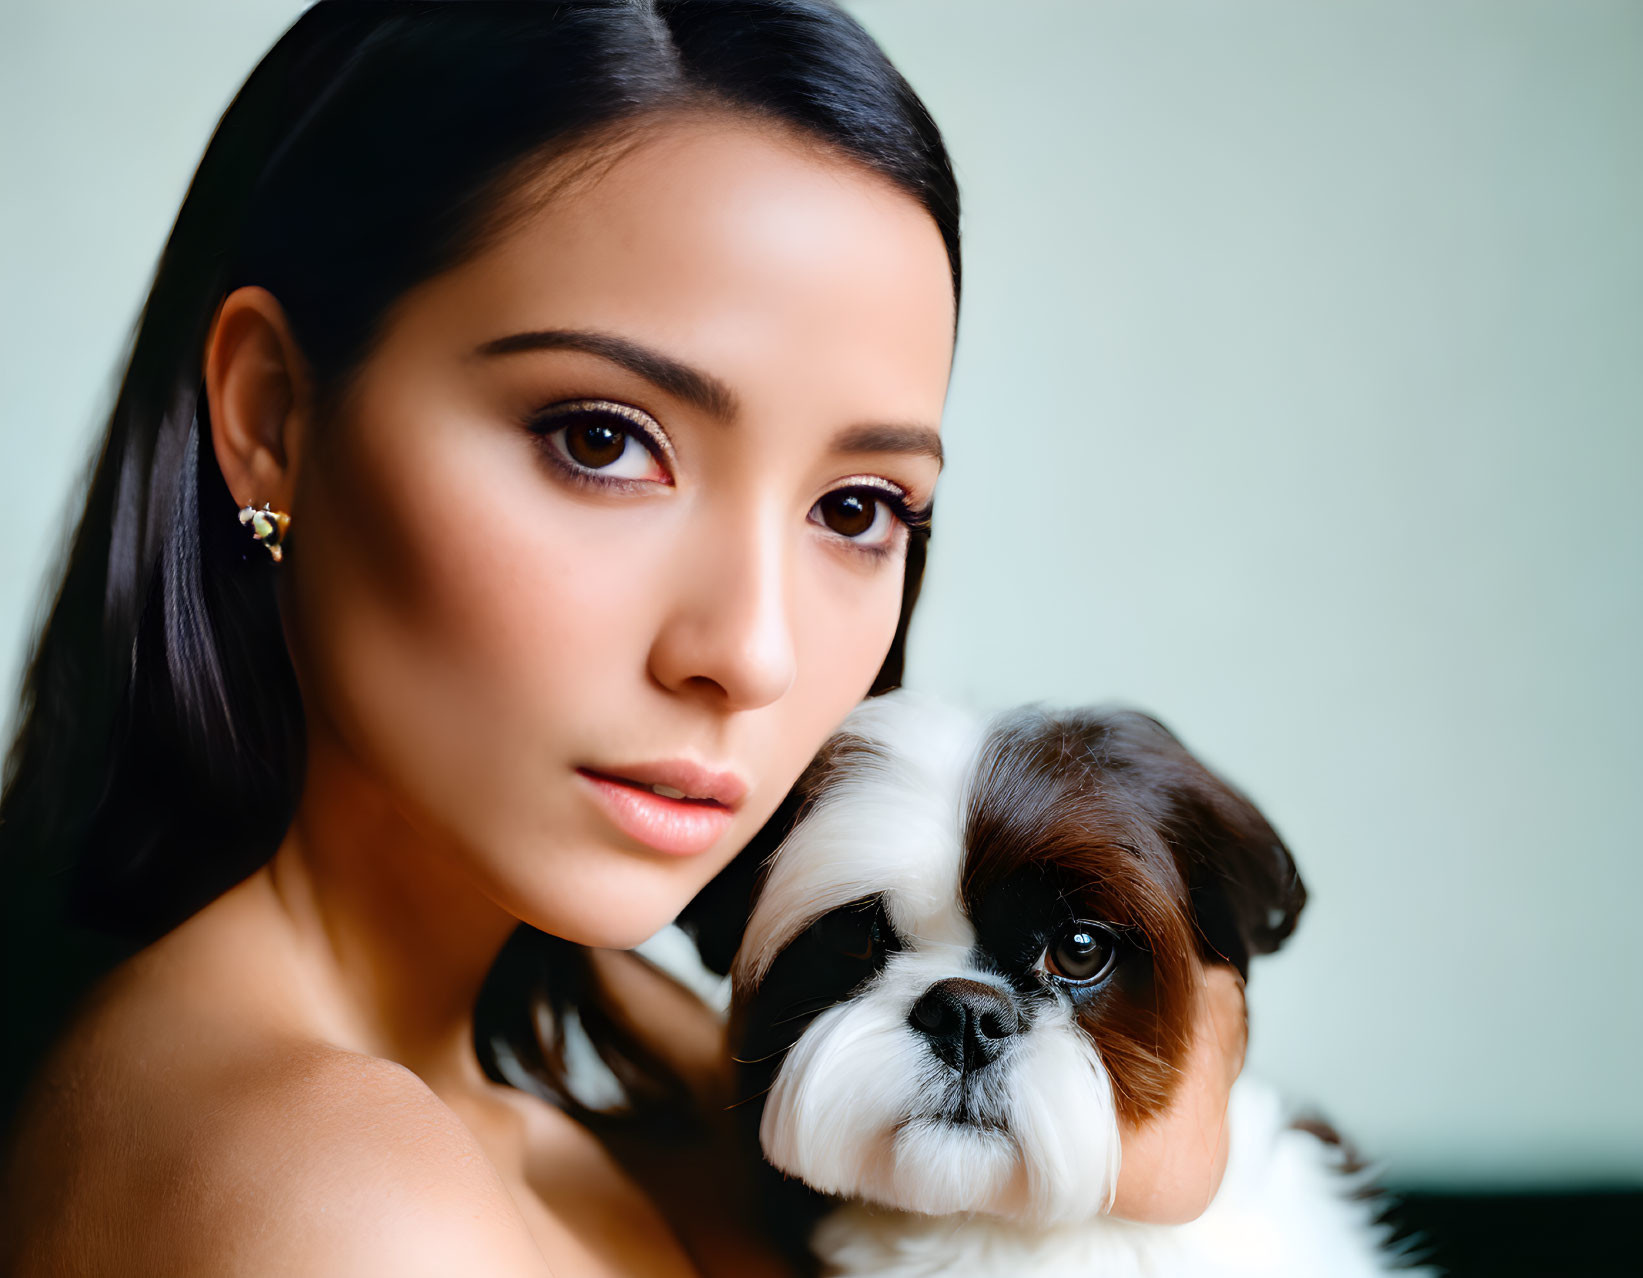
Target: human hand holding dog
pixel 1172 1162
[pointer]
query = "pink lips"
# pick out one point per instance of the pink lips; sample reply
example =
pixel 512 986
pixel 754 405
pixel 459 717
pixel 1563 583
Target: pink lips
pixel 682 826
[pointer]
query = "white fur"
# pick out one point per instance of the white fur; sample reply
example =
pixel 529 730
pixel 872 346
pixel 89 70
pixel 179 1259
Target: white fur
pixel 1284 1210
pixel 890 825
pixel 856 1107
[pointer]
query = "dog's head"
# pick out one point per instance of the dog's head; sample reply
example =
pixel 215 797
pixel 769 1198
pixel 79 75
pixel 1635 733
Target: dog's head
pixel 975 952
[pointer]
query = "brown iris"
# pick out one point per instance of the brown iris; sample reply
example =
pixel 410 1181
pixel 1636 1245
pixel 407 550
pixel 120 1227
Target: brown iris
pixel 849 513
pixel 1080 951
pixel 594 442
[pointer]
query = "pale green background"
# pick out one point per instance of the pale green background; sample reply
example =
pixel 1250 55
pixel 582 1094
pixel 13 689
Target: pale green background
pixel 1299 399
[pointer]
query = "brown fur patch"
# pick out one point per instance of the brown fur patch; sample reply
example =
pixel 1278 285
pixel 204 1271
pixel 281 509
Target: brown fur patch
pixel 1134 832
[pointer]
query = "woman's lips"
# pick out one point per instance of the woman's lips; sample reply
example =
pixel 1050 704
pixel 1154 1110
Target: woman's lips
pixel 682 827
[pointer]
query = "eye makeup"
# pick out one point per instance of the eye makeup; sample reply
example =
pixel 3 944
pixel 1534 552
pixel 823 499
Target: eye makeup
pixel 893 498
pixel 620 419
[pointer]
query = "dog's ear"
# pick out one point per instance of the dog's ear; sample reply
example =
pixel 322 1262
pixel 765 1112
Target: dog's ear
pixel 1246 892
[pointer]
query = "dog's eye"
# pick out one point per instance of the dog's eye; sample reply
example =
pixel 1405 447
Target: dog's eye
pixel 1081 952
pixel 853 932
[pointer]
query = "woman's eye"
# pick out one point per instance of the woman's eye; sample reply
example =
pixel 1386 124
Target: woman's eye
pixel 1081 952
pixel 613 440
pixel 866 516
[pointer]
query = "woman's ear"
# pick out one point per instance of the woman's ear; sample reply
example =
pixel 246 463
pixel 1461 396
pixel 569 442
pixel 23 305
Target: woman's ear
pixel 260 394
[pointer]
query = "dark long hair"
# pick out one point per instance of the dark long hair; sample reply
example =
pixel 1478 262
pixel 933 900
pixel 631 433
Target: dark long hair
pixel 159 753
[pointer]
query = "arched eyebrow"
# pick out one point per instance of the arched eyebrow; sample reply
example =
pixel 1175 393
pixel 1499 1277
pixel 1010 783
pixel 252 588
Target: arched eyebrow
pixel 696 388
pixel 919 440
pixel 702 390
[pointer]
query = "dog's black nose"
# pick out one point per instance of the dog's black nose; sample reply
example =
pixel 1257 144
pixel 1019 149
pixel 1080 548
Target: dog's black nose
pixel 967 1021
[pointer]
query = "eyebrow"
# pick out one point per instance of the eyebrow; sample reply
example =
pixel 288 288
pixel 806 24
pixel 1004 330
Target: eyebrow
pixel 918 440
pixel 700 389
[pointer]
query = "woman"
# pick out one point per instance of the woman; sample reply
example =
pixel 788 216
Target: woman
pixel 524 461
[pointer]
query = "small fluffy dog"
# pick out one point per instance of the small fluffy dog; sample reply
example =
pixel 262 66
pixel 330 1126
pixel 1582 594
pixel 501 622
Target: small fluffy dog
pixel 974 954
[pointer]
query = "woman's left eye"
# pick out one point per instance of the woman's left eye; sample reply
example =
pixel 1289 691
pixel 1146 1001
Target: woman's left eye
pixel 868 516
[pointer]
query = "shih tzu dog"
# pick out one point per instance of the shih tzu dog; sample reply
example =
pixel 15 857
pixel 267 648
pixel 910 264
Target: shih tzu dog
pixel 972 958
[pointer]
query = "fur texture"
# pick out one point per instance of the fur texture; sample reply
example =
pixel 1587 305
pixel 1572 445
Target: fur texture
pixel 970 959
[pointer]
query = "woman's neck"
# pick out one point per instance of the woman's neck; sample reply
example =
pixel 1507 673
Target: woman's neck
pixel 394 938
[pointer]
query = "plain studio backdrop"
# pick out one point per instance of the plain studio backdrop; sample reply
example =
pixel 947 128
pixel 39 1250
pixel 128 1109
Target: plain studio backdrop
pixel 1298 400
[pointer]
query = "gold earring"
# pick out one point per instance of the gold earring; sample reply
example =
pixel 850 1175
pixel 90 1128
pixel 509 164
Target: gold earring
pixel 267 526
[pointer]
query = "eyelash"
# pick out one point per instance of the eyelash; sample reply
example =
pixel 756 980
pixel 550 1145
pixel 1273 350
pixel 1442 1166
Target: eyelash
pixel 542 425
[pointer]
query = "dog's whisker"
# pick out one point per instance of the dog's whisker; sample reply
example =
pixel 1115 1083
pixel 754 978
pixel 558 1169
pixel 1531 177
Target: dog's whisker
pixel 801 1013
pixel 756 1095
pixel 754 1060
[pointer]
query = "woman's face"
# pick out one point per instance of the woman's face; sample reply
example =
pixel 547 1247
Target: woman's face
pixel 491 597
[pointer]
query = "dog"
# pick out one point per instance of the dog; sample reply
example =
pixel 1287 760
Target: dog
pixel 972 958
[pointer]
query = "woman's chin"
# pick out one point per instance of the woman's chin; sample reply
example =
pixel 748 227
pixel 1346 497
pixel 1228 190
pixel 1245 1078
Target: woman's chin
pixel 619 919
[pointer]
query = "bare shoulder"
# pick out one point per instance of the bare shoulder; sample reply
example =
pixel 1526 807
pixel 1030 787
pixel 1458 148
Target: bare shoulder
pixel 350 1165
pixel 191 1148
pixel 199 1116
pixel 184 1126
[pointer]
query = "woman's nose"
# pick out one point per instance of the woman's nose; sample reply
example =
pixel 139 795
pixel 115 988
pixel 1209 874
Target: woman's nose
pixel 728 626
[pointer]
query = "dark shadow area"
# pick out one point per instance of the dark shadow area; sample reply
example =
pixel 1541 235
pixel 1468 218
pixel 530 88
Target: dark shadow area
pixel 1589 1233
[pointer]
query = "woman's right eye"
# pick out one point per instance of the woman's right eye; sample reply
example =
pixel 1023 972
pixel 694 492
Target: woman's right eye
pixel 601 441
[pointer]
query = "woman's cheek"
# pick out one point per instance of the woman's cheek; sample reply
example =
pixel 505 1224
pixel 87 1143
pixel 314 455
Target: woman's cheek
pixel 452 615
pixel 472 629
pixel 848 625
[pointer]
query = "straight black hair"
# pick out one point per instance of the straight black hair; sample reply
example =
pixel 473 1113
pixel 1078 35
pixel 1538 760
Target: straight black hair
pixel 159 752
